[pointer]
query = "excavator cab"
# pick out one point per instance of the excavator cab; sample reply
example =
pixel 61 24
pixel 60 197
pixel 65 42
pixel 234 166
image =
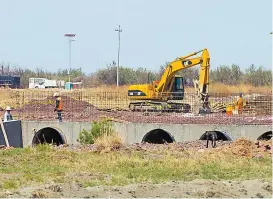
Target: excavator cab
pixel 178 88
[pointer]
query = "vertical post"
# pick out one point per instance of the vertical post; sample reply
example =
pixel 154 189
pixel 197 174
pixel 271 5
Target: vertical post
pixel 70 40
pixel 4 133
pixel 69 59
pixel 119 31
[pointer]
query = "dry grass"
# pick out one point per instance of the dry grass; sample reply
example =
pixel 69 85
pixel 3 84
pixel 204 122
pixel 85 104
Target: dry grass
pixel 106 142
pixel 108 88
pixel 27 168
pixel 221 88
pixel 213 88
pixel 224 90
pixel 10 98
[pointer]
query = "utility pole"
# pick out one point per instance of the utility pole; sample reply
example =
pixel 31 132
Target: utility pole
pixel 119 31
pixel 70 40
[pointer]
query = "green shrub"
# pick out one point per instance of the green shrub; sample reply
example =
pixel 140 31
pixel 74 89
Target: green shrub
pixel 103 127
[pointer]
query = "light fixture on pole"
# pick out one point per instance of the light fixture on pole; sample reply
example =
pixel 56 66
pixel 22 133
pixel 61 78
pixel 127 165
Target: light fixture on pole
pixel 119 31
pixel 70 40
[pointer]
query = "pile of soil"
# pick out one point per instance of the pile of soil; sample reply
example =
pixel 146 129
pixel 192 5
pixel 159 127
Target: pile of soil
pixel 44 110
pixel 245 147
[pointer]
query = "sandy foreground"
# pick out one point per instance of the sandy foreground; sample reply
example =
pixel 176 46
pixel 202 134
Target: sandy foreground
pixel 196 188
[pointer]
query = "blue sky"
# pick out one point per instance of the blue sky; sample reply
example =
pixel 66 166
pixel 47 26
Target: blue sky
pixel 153 32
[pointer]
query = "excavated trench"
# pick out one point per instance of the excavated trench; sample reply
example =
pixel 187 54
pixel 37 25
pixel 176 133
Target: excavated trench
pixel 48 135
pixel 158 136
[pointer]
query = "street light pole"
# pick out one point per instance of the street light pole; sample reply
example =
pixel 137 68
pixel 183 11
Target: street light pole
pixel 119 31
pixel 70 40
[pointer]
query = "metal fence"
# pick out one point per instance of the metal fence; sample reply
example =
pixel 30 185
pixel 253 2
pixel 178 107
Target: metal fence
pixel 90 106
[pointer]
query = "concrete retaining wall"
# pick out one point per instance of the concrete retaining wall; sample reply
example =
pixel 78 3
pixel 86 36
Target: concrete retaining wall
pixel 134 132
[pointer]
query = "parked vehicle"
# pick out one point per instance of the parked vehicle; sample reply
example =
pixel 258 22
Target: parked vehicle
pixel 45 83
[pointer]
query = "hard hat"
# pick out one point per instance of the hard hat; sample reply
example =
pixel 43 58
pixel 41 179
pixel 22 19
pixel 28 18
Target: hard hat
pixel 8 108
pixel 55 95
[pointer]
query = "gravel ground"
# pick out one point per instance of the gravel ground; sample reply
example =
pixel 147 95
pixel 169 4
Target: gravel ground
pixel 80 111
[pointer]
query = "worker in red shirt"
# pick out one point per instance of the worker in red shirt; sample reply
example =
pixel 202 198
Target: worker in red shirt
pixel 59 106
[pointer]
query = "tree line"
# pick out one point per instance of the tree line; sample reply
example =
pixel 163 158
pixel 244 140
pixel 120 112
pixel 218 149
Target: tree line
pixel 226 74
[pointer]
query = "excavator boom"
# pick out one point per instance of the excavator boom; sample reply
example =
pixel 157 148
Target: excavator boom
pixel 185 62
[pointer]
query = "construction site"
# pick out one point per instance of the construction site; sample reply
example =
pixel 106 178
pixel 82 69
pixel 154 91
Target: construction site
pixel 152 132
pixel 185 113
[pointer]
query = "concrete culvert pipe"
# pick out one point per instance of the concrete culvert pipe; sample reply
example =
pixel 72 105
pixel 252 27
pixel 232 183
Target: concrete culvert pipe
pixel 220 136
pixel 265 136
pixel 48 135
pixel 158 136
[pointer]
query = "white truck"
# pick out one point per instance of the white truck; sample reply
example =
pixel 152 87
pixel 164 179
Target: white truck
pixel 45 83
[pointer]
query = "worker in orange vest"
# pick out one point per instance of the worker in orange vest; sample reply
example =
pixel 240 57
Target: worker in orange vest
pixel 240 103
pixel 59 106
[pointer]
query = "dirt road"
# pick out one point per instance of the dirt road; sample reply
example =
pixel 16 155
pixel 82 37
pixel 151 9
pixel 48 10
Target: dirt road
pixel 196 188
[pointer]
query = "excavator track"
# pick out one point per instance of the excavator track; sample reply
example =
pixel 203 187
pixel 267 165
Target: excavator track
pixel 160 106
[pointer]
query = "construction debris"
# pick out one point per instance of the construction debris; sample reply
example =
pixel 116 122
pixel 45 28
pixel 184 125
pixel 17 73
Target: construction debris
pixel 255 104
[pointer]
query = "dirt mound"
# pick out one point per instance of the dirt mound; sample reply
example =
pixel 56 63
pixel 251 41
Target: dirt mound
pixel 245 147
pixel 43 109
pixel 49 104
pixel 242 147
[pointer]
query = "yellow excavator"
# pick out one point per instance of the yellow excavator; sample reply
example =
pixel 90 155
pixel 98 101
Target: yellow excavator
pixel 168 93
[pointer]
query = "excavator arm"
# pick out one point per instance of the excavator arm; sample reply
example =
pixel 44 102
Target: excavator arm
pixel 183 63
